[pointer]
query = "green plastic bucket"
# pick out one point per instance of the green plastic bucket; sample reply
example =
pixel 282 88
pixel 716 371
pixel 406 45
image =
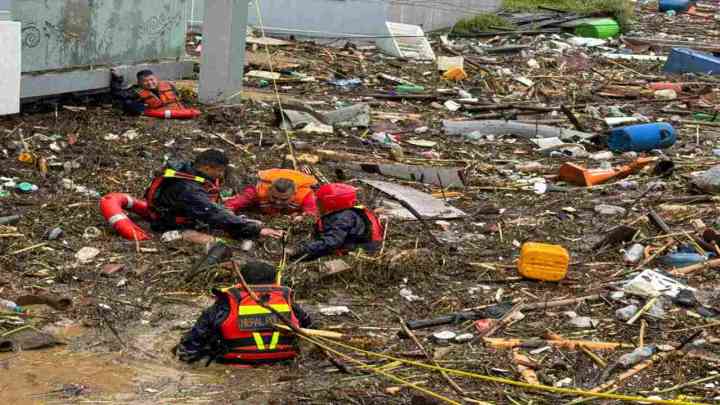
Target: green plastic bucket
pixel 598 28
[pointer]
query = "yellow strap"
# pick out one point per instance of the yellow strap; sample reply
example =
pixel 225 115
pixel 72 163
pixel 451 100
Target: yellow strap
pixel 274 341
pixel 258 310
pixel 259 342
pixel 172 173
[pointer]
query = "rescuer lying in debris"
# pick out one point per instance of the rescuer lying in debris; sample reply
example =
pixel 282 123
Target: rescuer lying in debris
pixel 150 96
pixel 187 195
pixel 236 330
pixel 344 225
pixel 278 191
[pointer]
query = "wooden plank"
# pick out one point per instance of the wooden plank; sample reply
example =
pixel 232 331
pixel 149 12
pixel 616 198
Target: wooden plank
pixel 425 204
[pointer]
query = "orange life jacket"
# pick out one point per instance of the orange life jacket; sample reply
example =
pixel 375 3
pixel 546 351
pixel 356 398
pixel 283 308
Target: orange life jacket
pixel 166 99
pixel 152 192
pixel 375 231
pixel 303 184
pixel 249 334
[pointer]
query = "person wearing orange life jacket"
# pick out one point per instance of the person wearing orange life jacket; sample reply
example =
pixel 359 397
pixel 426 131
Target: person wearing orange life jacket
pixel 186 196
pixel 278 191
pixel 344 225
pixel 236 330
pixel 150 96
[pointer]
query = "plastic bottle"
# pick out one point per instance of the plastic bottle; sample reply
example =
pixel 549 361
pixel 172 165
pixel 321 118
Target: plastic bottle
pixel 636 356
pixel 634 254
pixel 9 306
pixel 409 88
pixel 26 187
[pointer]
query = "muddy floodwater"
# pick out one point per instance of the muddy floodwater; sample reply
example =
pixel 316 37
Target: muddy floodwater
pixel 74 373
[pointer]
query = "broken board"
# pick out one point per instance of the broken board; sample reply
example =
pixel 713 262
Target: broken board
pixel 426 205
pixel 438 176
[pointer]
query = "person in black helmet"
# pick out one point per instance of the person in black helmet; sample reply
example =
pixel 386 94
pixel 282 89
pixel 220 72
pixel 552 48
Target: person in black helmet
pixel 186 195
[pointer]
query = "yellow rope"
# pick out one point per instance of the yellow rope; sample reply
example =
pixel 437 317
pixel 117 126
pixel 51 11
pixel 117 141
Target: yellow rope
pixel 507 381
pixel 275 86
pixel 381 372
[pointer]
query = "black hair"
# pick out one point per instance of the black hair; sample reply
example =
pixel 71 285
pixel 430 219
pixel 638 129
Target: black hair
pixel 143 74
pixel 283 185
pixel 211 157
pixel 258 273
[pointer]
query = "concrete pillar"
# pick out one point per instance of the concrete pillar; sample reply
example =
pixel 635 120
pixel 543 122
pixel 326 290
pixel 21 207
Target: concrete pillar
pixel 10 61
pixel 223 50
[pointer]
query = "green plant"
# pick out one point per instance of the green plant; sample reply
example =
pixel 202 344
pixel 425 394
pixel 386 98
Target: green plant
pixel 621 10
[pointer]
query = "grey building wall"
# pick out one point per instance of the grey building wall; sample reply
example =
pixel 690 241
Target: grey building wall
pixel 61 34
pixel 361 17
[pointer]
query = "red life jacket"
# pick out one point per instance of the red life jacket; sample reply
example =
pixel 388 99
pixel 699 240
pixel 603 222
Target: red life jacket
pixel 165 99
pixel 151 194
pixel 249 333
pixel 374 231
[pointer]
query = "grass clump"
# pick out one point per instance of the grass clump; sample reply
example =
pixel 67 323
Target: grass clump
pixel 481 22
pixel 621 10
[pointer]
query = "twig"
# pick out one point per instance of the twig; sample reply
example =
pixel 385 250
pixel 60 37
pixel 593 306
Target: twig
pixel 233 144
pixel 642 310
pixel 641 338
pixel 599 361
pixel 697 267
pixel 414 338
pixel 17 252
pixel 101 312
pixel 687 384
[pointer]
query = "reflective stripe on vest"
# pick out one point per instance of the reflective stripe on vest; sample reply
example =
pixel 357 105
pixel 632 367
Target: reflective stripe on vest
pixel 259 340
pixel 174 174
pixel 258 310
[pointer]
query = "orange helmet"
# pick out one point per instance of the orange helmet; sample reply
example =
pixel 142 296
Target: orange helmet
pixel 335 197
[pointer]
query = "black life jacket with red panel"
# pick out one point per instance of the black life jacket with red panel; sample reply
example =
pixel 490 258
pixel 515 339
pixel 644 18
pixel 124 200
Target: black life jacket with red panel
pixel 374 232
pixel 249 334
pixel 212 188
pixel 164 99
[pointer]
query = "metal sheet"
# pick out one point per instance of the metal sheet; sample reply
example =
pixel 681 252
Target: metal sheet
pixel 425 204
pixel 66 34
pixel 437 176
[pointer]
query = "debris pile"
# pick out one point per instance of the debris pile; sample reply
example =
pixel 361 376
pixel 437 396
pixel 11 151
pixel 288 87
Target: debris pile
pixel 548 193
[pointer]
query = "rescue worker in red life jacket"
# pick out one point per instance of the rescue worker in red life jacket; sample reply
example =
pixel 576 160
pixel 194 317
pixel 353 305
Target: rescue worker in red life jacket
pixel 344 225
pixel 235 330
pixel 149 93
pixel 278 191
pixel 187 196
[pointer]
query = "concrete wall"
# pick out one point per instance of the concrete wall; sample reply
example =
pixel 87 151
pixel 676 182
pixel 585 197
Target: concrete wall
pixel 62 34
pixel 9 67
pixel 361 17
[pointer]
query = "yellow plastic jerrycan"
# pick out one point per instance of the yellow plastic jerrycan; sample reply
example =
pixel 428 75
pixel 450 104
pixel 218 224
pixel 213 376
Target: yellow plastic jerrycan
pixel 541 261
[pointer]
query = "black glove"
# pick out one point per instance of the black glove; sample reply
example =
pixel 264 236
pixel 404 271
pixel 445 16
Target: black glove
pixel 188 356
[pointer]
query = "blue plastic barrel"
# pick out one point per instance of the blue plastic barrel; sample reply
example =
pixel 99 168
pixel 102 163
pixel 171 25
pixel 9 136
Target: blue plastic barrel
pixel 675 5
pixel 642 138
pixel 684 60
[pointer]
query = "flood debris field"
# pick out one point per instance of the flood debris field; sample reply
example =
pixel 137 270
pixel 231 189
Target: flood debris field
pixel 130 301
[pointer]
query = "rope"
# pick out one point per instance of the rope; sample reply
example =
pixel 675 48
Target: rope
pixel 275 86
pixel 507 381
